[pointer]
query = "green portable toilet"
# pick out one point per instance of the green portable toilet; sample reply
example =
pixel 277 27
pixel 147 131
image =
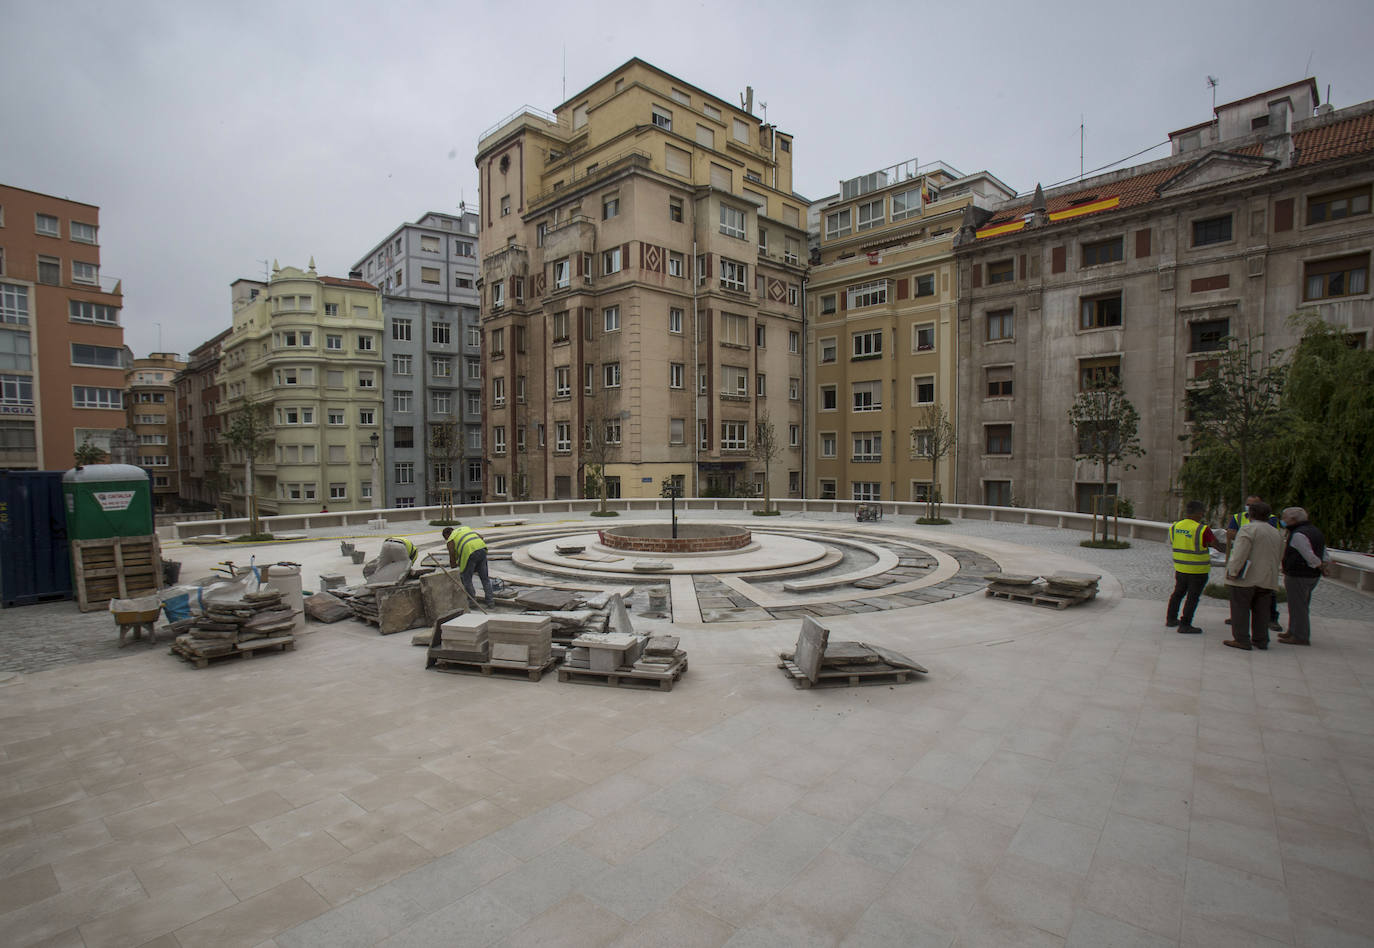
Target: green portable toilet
pixel 107 500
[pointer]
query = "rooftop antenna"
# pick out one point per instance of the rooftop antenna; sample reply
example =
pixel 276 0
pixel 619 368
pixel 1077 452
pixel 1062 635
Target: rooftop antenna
pixel 565 72
pixel 1081 135
pixel 764 105
pixel 265 274
pixel 1214 81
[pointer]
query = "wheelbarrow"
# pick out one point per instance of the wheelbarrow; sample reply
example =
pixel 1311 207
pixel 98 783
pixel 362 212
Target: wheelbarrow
pixel 135 615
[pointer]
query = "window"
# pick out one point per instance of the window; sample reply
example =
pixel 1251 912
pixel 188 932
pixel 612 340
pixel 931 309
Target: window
pixel 711 111
pixel 474 471
pixel 610 207
pixel 828 350
pixel 474 403
pixel 1103 251
pixel 610 375
pixel 612 432
pixel 921 443
pixel 1100 312
pixel 1336 205
pixel 997 493
pixel 906 204
pixel 1208 335
pixel 498 485
pixel 403 436
pixel 85 272
pixel 474 337
pixel 334 417
pixel 46 224
pixel 366 379
pixel 868 396
pixel 675 264
pixel 562 436
pixel 561 270
pixel 1095 373
pixel 367 417
pixel 827 487
pixel 49 271
pixel 867 294
pixel 560 326
pixel 1003 271
pixel 997 439
pixel 402 365
pixel 871 214
pixel 83 396
pixel 333 378
pixel 868 345
pixel 868 446
pixel 761 385
pixel 866 490
pixel 405 472
pixel 733 275
pixel 662 118
pixel 794 436
pixel 837 224
pixel 677 428
pixel 610 319
pixel 829 398
pixel 104 356
pixel 14 350
pixel 333 343
pixel 17 391
pixel 498 439
pixel 676 373
pixel 923 390
pixel 611 261
pixel 732 221
pixel 923 337
pixel 1000 325
pixel 828 304
pixel 441 334
pixel 1341 276
pixel 828 443
pixel 794 389
pixel 498 343
pixel 675 320
pixel 761 335
pixel 505 205
pixel 562 381
pixel 430 275
pixel 741 131
pixel 498 391
pixel 400 330
pixel 734 380
pixel 520 438
pixel 441 367
pixel 675 209
pixel 734 330
pixel 924 285
pixel 588 377
pixel 440 403
pixel 473 368
pixel 78 311
pixel 998 379
pixel 1212 230
pixel 734 436
pixel 498 294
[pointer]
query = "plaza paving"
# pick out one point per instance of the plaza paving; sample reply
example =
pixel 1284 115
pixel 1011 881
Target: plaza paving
pixel 1081 777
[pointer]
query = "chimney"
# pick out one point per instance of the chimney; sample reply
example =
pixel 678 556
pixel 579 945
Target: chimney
pixel 355 274
pixel 1040 215
pixel 1278 139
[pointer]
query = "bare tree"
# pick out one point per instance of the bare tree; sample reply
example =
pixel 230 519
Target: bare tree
pixel 444 450
pixel 600 438
pixel 1107 425
pixel 765 450
pixel 250 431
pixel 932 439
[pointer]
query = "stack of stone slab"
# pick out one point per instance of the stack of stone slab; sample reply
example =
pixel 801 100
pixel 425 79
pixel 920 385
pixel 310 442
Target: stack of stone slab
pixel 1059 590
pixel 661 653
pixel 524 641
pixel 464 638
pixel 483 644
pixel 236 627
pixel 817 662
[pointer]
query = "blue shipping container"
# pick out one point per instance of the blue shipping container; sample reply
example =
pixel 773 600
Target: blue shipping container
pixel 35 565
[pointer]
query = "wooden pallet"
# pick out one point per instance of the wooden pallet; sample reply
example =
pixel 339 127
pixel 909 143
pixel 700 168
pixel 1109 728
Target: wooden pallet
pixel 489 669
pixel 848 676
pixel 1043 598
pixel 115 568
pixel 287 643
pixel 663 681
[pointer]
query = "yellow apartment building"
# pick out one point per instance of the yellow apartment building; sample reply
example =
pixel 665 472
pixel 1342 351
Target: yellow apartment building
pixel 642 283
pixel 882 332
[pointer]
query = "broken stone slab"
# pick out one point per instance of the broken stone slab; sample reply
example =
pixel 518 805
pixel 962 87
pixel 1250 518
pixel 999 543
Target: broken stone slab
pixel 872 582
pixel 849 653
pixel 898 660
pixel 1011 579
pixel 569 549
pixel 424 637
pixel 661 645
pixel 330 581
pixel 652 566
pixel 810 648
pixel 618 620
pixel 603 599
pixel 400 608
pixel 573 618
pixel 443 595
pixel 389 573
pixel 1074 580
pixel 546 599
pixel 324 607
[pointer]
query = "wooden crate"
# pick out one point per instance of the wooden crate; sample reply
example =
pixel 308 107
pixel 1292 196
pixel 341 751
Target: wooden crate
pixel 115 568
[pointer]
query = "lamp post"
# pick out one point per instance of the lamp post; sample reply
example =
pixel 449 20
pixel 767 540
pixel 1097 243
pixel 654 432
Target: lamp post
pixel 376 472
pixel 673 491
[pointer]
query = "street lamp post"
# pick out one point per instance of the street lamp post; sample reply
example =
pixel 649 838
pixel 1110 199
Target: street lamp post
pixel 376 472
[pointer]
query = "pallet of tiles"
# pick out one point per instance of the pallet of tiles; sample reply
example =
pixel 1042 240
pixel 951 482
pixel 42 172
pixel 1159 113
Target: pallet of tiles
pixel 115 568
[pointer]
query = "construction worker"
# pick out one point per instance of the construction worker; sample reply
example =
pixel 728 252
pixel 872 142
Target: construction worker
pixel 394 550
pixel 1190 539
pixel 467 551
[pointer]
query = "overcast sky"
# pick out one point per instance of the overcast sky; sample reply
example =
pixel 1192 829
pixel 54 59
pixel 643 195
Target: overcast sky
pixel 215 136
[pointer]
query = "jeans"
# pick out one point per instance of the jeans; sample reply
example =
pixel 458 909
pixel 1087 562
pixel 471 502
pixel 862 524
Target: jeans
pixel 477 563
pixel 1299 589
pixel 1250 614
pixel 1190 584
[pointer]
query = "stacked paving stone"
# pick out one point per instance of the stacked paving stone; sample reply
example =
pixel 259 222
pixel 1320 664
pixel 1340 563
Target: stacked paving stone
pixel 255 620
pixel 1059 590
pixel 464 638
pixel 521 640
pixel 661 653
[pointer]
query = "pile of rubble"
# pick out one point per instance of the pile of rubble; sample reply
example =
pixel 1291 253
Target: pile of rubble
pixel 238 627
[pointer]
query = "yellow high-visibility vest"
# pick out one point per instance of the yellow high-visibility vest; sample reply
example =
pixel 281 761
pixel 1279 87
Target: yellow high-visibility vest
pixel 410 547
pixel 1190 556
pixel 463 542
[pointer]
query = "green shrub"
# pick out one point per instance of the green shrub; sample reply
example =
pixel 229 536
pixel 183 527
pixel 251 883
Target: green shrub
pixel 767 513
pixel 445 523
pixel 933 521
pixel 254 538
pixel 1105 544
pixel 605 513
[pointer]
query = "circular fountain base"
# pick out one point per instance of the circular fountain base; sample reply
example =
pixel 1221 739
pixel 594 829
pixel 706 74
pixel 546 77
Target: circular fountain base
pixel 762 551
pixel 659 539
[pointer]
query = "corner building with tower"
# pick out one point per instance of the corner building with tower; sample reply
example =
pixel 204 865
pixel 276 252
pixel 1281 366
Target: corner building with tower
pixel 642 294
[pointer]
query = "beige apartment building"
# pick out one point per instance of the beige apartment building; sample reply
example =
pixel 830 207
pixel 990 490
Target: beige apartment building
pixel 308 349
pixel 1141 275
pixel 882 333
pixel 642 285
pixel 151 404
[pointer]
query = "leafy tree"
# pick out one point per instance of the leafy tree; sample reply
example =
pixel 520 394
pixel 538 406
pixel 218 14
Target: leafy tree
pixel 1326 453
pixel 765 450
pixel 1107 426
pixel 932 439
pixel 87 453
pixel 1236 412
pixel 249 431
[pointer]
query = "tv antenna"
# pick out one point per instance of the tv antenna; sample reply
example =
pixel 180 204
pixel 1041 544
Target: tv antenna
pixel 265 274
pixel 1213 82
pixel 764 105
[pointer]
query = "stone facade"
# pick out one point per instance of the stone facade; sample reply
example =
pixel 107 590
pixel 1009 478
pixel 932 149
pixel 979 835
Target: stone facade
pixel 431 347
pixel 198 394
pixel 641 300
pixel 1140 275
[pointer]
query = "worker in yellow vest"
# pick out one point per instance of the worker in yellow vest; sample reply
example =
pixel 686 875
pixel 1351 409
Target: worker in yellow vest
pixel 468 552
pixel 1190 540
pixel 394 550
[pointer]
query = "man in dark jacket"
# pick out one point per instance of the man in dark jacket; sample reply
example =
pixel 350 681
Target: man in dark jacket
pixel 1305 562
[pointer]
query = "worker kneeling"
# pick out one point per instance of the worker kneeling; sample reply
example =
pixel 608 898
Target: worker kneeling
pixel 468 552
pixel 394 550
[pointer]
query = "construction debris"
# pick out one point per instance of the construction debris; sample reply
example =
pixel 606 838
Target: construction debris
pixel 484 645
pixel 816 662
pixel 325 607
pixel 236 627
pixel 622 657
pixel 1059 590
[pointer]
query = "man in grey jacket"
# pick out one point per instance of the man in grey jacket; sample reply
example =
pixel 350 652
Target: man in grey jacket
pixel 1252 575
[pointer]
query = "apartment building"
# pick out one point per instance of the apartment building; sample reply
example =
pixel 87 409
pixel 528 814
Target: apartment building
pixel 198 394
pixel 642 281
pixel 151 406
pixel 881 328
pixel 62 355
pixel 305 350
pixel 431 351
pixel 1141 275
